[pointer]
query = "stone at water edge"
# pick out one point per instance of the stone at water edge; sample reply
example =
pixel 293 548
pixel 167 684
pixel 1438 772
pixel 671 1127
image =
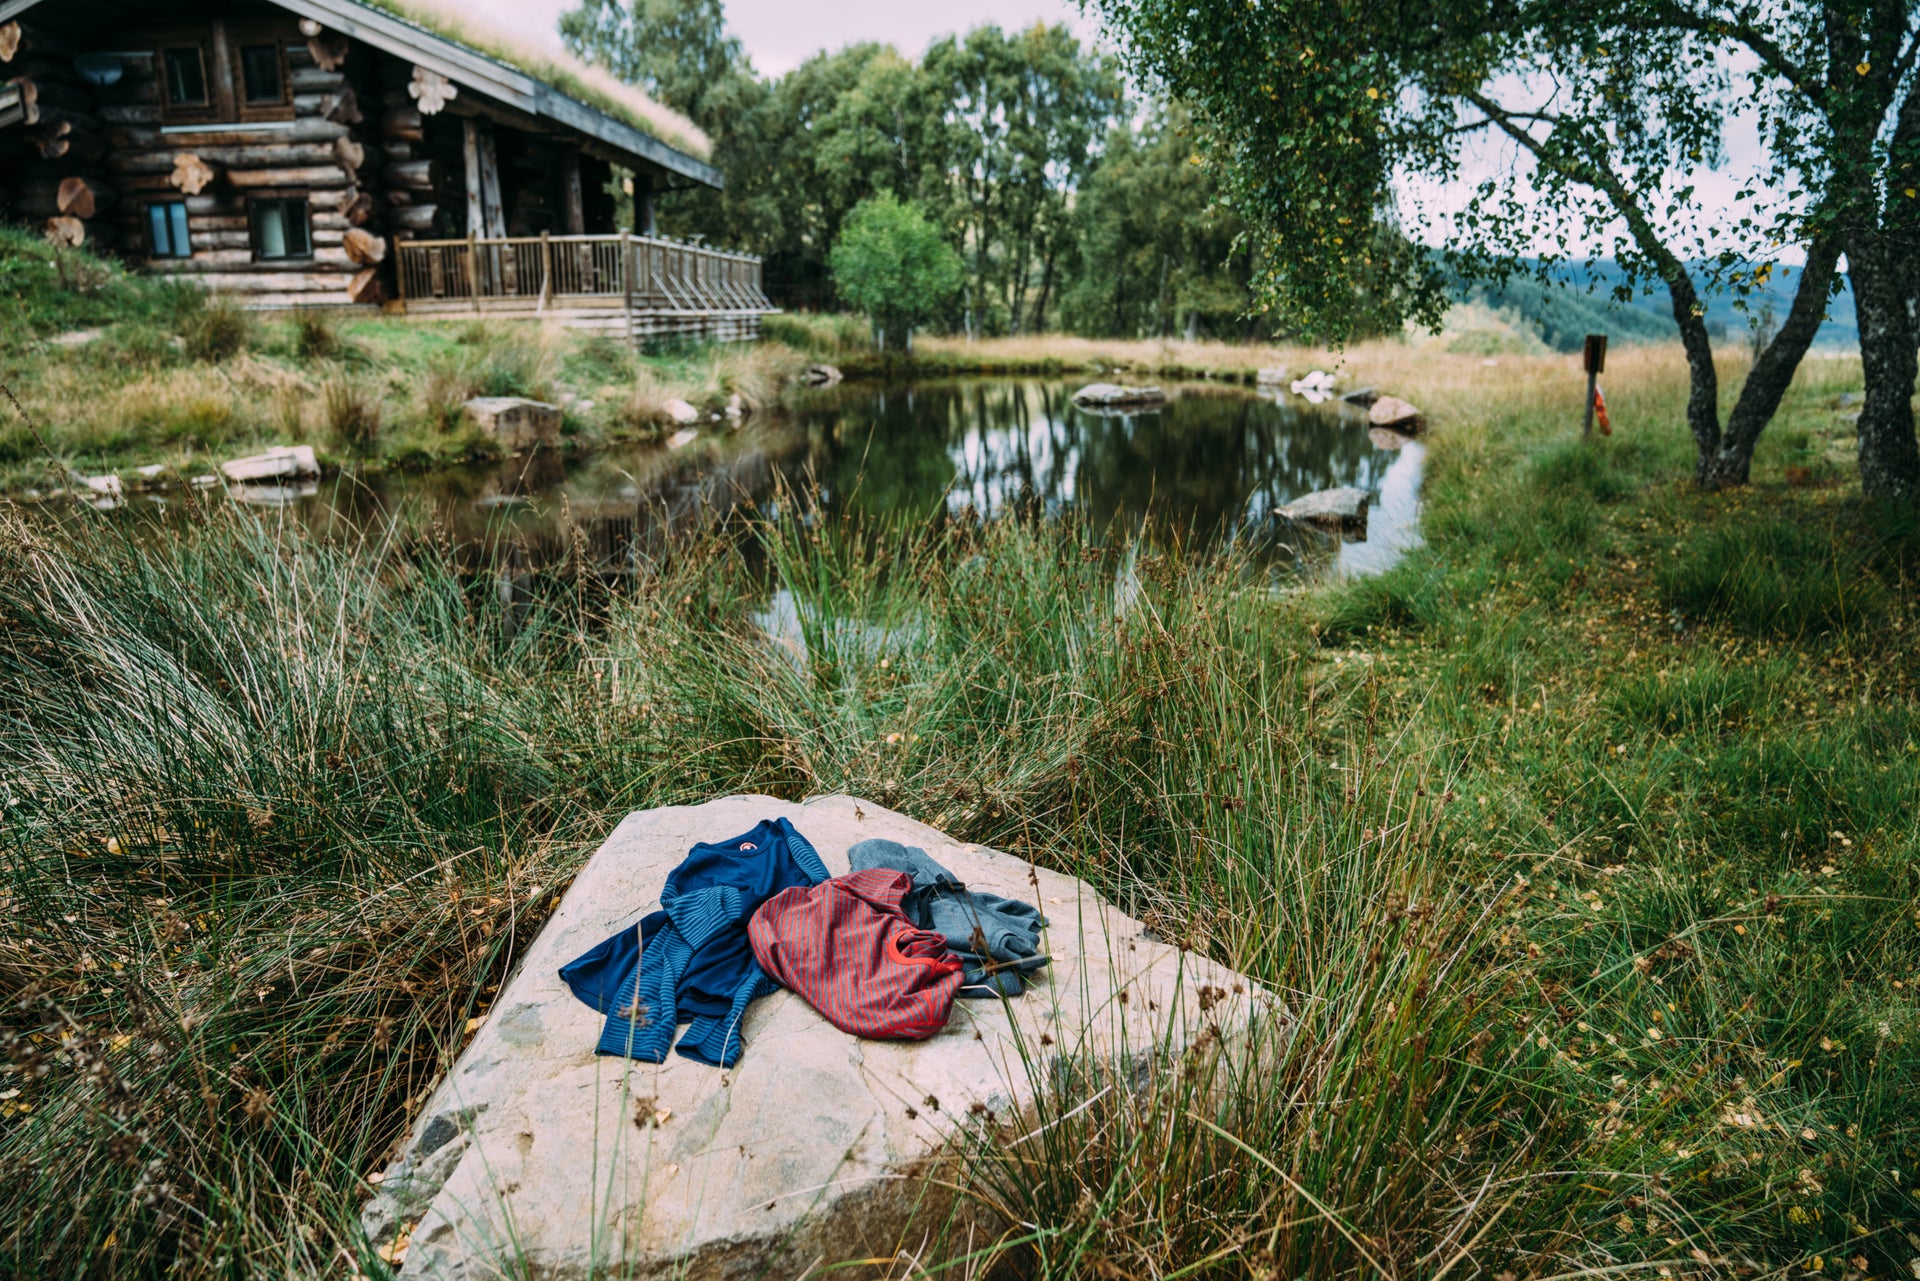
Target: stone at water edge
pixel 1395 413
pixel 1108 394
pixel 537 1159
pixel 821 376
pixel 275 463
pixel 1270 375
pixel 685 436
pixel 1344 509
pixel 680 411
pixel 514 421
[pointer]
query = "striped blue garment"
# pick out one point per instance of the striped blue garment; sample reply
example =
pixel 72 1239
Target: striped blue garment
pixel 691 962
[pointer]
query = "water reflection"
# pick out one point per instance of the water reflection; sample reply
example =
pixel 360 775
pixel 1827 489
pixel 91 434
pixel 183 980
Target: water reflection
pixel 1212 463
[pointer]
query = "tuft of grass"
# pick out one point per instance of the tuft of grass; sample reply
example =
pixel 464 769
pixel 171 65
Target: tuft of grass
pixel 316 336
pixel 353 413
pixel 217 330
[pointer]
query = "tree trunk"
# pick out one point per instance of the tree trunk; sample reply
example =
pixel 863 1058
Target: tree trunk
pixel 1772 372
pixel 1703 390
pixel 1889 459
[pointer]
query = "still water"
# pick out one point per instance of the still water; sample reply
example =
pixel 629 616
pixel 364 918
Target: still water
pixel 1212 463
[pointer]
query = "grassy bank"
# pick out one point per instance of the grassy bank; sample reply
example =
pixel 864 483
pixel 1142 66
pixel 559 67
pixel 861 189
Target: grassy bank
pixel 1583 844
pixel 120 372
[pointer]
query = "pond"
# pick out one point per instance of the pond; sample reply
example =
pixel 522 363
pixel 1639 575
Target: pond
pixel 1213 463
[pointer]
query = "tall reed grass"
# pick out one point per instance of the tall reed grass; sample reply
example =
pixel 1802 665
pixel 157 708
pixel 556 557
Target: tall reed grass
pixel 1591 882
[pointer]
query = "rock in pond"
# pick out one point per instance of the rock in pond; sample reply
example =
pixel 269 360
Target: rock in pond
pixel 514 421
pixel 536 1158
pixel 680 411
pixel 1344 509
pixel 1115 396
pixel 1396 414
pixel 277 463
pixel 1271 375
pixel 821 376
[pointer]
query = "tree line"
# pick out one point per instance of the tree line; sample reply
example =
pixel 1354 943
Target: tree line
pixel 1615 109
pixel 1069 202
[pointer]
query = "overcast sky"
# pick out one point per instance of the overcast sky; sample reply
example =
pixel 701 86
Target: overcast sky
pixel 779 34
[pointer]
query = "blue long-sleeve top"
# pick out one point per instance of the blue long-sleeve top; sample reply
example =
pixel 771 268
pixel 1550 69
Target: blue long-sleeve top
pixel 691 961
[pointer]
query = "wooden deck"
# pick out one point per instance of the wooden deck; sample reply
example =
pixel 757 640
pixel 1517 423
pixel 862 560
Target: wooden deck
pixel 635 287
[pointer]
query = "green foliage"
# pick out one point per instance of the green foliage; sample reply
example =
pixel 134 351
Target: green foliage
pixel 893 264
pixel 353 414
pixel 48 290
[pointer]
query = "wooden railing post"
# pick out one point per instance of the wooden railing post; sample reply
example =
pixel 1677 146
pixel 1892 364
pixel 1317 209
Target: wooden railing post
pixel 473 268
pixel 626 280
pixel 546 271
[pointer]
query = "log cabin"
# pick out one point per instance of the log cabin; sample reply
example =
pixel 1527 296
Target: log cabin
pixel 356 153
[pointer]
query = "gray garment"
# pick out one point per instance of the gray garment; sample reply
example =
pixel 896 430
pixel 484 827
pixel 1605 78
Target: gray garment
pixel 997 939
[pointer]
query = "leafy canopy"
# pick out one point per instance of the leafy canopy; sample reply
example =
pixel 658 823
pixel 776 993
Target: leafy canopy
pixel 893 264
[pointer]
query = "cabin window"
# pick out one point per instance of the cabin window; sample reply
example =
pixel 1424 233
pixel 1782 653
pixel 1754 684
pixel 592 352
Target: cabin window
pixel 186 72
pixel 167 230
pixel 280 229
pixel 224 73
pixel 261 78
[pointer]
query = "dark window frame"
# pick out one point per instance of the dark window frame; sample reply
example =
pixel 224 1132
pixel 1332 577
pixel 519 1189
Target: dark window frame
pixel 221 48
pixel 205 111
pixel 174 250
pixel 257 206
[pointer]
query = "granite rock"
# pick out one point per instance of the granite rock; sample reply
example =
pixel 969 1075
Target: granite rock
pixel 535 1158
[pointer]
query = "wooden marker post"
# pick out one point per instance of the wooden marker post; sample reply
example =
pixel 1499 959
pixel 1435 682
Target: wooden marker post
pixel 1596 362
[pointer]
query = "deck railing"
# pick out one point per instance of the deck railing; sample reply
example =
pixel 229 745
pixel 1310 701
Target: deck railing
pixel 641 273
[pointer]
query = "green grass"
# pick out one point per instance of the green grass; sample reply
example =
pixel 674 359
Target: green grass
pixel 1582 844
pixel 185 380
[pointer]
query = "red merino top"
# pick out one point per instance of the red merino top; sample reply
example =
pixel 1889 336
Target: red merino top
pixel 846 947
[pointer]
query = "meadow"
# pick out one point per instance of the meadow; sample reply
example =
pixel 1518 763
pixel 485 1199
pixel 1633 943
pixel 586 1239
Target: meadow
pixel 1582 845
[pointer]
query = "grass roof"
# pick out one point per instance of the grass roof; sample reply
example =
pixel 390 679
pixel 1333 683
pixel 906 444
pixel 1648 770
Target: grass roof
pixel 571 76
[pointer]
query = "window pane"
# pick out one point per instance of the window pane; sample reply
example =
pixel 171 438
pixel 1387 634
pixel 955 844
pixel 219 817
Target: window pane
pixel 270 227
pixel 296 216
pixel 186 78
pixel 159 231
pixel 177 220
pixel 260 73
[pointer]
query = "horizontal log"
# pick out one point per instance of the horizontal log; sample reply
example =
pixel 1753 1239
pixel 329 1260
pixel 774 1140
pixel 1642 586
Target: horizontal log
pixel 314 80
pixel 239 264
pixel 412 217
pixel 209 224
pixel 242 238
pixel 17 39
pixel 312 177
pixel 309 130
pixel 130 113
pixel 275 155
pixel 365 287
pixel 44 94
pixel 410 175
pixel 403 124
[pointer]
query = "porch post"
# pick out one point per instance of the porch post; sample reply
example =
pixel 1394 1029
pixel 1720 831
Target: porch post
pixel 573 202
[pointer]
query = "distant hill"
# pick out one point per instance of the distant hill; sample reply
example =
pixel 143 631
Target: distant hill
pixel 1582 303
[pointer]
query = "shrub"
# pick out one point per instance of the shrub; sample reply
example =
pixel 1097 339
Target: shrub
pixel 892 264
pixel 1771 578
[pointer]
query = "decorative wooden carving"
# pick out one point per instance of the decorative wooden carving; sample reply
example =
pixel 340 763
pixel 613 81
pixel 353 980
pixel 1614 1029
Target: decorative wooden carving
pixel 65 230
pixel 364 247
pixel 310 28
pixel 365 286
pixel 431 90
pixel 342 108
pixel 349 153
pixel 356 206
pixel 77 197
pixel 328 51
pixel 190 174
pixel 9 40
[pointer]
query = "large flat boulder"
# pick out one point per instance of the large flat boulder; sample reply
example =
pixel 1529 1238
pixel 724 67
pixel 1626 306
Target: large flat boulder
pixel 535 1158
pixel 515 421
